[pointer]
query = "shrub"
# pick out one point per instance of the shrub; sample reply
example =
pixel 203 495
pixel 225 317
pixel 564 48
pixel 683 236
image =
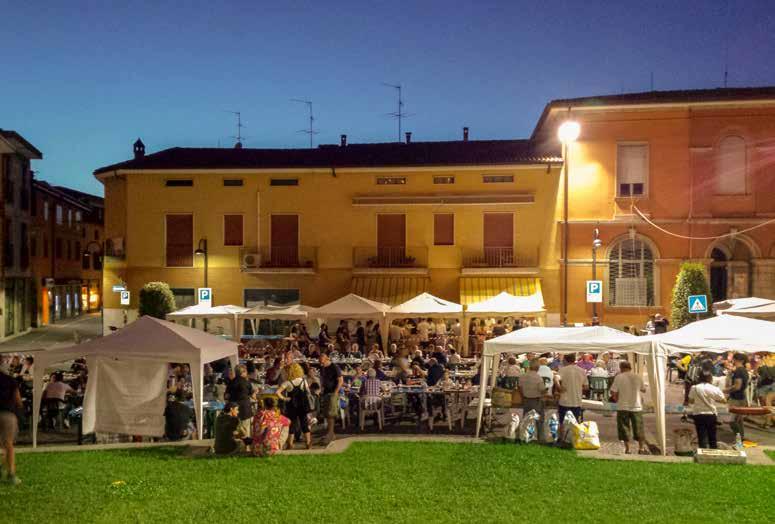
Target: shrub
pixel 691 280
pixel 156 300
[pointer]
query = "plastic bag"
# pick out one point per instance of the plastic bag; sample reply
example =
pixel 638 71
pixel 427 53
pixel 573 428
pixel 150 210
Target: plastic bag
pixel 586 436
pixel 684 442
pixel 551 428
pixel 511 427
pixel 527 431
pixel 568 422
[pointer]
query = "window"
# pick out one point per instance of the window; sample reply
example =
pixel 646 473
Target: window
pixel 77 253
pixel 69 250
pixel 8 255
pixel 444 229
pixel 58 248
pixel 78 217
pixel 232 182
pixel 284 182
pixel 179 182
pixel 184 297
pixel 497 179
pixel 254 297
pixel 59 215
pixel 96 261
pixel 631 273
pixel 33 246
pixel 85 259
pixel 24 248
pixel 443 180
pixel 45 210
pixel 730 167
pixel 232 230
pixel 96 234
pixel 180 240
pixel 45 246
pixel 69 218
pixel 391 180
pixel 632 169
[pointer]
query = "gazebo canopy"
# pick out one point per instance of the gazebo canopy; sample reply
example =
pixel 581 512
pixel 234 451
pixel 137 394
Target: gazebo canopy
pixel 351 307
pixel 591 339
pixel 752 307
pixel 276 312
pixel 719 334
pixel 427 306
pixel 505 304
pixel 203 311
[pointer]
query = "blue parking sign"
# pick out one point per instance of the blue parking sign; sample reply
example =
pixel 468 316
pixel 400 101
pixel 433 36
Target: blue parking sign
pixel 205 296
pixel 595 291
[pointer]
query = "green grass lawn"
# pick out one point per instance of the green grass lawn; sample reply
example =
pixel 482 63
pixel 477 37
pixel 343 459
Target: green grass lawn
pixel 381 482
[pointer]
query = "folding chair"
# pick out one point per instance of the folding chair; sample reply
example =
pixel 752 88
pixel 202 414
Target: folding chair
pixel 370 406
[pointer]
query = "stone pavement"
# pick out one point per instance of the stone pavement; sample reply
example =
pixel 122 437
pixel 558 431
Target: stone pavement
pixel 61 334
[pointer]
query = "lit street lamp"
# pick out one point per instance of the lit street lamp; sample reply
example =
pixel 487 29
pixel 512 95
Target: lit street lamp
pixel 201 250
pixel 567 133
pixel 596 243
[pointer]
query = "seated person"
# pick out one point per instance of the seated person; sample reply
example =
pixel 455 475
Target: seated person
pixel 440 355
pixel 371 386
pixel 435 372
pixel 270 430
pixel 377 367
pixel 228 438
pixel 57 389
pixel 453 358
pixel 418 359
pixel 446 381
pixel 375 353
pixel 177 416
pixel 599 370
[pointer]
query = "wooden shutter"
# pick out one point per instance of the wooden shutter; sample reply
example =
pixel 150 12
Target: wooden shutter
pixel 499 239
pixel 391 239
pixel 180 240
pixel 285 240
pixel 444 229
pixel 232 230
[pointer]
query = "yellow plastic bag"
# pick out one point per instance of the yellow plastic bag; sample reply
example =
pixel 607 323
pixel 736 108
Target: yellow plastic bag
pixel 586 436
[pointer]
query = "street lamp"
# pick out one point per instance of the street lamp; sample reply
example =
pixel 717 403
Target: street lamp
pixel 99 254
pixel 567 133
pixel 201 250
pixel 596 243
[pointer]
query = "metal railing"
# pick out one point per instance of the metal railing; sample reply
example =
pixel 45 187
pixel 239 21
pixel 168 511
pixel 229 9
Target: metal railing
pixel 504 257
pixel 286 257
pixel 390 257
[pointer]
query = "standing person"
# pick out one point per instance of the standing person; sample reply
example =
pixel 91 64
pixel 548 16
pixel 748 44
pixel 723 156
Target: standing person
pixel 627 391
pixel 240 392
pixel 533 391
pixel 360 337
pixel 660 324
pixel 650 325
pixel 737 391
pixel 423 330
pixel 10 407
pixel 499 329
pixel 331 380
pixel 702 400
pixel 297 406
pixel 571 381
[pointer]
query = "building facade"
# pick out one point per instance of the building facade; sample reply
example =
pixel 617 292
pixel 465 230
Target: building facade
pixel 660 175
pixel 16 284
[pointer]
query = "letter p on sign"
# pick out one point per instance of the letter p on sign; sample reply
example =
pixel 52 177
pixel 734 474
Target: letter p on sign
pixel 594 291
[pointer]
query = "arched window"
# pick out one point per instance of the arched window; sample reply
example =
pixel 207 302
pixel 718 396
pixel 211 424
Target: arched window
pixel 730 167
pixel 631 273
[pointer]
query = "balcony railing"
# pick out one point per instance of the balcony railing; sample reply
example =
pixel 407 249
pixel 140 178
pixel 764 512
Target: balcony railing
pixel 273 258
pixel 500 257
pixel 390 257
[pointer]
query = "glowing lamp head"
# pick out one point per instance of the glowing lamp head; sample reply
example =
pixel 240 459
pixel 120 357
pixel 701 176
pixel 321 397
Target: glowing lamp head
pixel 569 131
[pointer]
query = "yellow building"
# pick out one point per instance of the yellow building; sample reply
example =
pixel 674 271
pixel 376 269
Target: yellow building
pixel 463 220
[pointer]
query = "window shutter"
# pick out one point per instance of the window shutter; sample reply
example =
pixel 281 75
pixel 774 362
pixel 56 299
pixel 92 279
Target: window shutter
pixel 180 240
pixel 632 169
pixel 444 229
pixel 232 230
pixel 730 167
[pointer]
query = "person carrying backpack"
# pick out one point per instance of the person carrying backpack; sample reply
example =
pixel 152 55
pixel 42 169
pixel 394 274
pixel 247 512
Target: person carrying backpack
pixel 296 394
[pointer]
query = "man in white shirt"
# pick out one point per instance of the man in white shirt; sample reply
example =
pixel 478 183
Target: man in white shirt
pixel 57 389
pixel 441 328
pixel 395 333
pixel 571 381
pixel 626 391
pixel 423 328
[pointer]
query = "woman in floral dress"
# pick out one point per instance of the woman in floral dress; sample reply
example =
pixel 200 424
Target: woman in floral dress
pixel 270 430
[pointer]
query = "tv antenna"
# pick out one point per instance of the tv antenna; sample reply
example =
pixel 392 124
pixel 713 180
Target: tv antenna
pixel 239 137
pixel 311 131
pixel 400 115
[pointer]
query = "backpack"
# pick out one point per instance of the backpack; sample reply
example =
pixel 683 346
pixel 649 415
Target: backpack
pixel 299 398
pixel 694 372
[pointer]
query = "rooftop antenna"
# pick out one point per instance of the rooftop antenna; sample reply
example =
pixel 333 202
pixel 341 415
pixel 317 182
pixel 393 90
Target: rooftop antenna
pixel 400 113
pixel 239 137
pixel 311 131
pixel 726 47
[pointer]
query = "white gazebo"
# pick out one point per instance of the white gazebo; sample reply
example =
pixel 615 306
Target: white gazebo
pixel 202 311
pixel 506 305
pixel 426 305
pixel 594 339
pixel 752 307
pixel 720 334
pixel 273 312
pixel 355 307
pixel 143 349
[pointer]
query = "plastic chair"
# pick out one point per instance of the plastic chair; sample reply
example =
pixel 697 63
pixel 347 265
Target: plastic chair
pixel 598 388
pixel 370 406
pixel 456 407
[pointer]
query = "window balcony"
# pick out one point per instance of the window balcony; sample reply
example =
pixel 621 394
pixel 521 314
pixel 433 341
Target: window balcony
pixel 301 259
pixel 500 260
pixel 409 259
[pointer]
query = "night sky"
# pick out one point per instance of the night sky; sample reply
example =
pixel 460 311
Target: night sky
pixel 83 81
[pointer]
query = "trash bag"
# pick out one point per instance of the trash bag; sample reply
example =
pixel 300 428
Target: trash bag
pixel 511 427
pixel 568 422
pixel 684 442
pixel 586 436
pixel 551 428
pixel 528 427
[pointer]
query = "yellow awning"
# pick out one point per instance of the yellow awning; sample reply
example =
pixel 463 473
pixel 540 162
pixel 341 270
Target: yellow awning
pixel 477 289
pixel 392 290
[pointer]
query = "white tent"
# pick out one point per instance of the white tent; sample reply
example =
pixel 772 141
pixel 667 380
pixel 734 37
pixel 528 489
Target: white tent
pixel 752 307
pixel 354 307
pixel 202 311
pixel 505 304
pixel 595 339
pixel 273 312
pixel 426 305
pixel 147 340
pixel 719 334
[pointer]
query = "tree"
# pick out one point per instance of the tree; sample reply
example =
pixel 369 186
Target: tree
pixel 691 280
pixel 156 300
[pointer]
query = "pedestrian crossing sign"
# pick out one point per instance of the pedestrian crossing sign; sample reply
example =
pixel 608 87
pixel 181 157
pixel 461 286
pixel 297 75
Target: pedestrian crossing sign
pixel 698 304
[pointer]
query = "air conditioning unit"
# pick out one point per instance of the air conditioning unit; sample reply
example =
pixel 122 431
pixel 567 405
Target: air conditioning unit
pixel 251 260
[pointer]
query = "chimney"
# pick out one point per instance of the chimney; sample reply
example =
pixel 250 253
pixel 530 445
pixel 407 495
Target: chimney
pixel 238 145
pixel 343 140
pixel 408 137
pixel 139 148
pixel 465 134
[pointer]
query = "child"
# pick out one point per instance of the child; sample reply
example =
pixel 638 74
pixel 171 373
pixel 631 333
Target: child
pixel 270 430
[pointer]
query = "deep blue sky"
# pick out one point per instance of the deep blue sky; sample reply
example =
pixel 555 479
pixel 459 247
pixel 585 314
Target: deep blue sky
pixel 82 80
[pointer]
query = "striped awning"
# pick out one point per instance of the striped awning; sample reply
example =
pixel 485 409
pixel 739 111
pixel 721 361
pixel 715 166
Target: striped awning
pixel 392 290
pixel 478 289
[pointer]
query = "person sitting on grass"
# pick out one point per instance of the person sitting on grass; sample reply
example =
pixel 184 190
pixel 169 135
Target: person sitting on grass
pixel 626 390
pixel 270 430
pixel 228 438
pixel 177 416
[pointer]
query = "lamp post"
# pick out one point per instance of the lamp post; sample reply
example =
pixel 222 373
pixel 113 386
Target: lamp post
pixel 100 254
pixel 201 250
pixel 568 132
pixel 596 243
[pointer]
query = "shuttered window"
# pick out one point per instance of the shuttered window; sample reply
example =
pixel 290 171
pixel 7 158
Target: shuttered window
pixel 632 169
pixel 232 230
pixel 180 240
pixel 731 167
pixel 631 274
pixel 444 229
